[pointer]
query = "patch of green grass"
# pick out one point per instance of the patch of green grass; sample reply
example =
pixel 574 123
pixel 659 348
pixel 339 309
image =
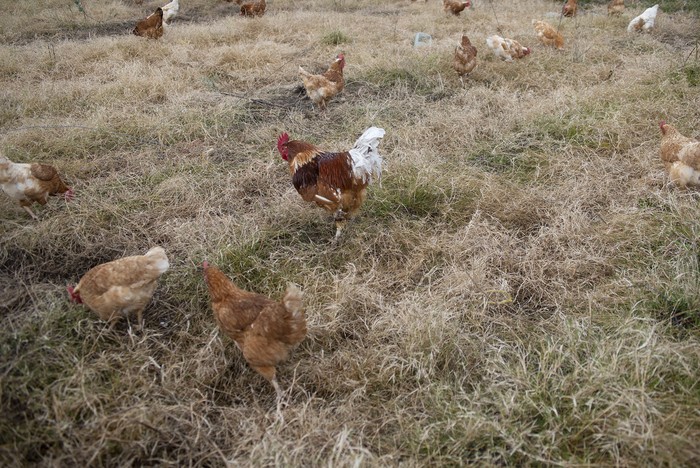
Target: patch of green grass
pixel 335 38
pixel 667 6
pixel 407 194
pixel 256 266
pixel 672 6
pixel 574 130
pixel 688 73
pixel 692 74
pixel 386 78
pixel 515 159
pixel 680 309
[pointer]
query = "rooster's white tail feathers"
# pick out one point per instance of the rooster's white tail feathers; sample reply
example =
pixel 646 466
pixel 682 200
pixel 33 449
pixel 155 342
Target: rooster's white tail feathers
pixel 366 160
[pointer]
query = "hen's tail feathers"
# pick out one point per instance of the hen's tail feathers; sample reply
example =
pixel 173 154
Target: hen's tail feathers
pixel 366 160
pixel 303 73
pixel 490 42
pixel 293 301
pixel 161 260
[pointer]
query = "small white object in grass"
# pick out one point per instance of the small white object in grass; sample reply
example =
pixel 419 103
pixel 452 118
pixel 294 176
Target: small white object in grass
pixel 422 39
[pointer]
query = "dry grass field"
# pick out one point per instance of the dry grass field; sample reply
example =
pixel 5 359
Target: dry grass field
pixel 522 288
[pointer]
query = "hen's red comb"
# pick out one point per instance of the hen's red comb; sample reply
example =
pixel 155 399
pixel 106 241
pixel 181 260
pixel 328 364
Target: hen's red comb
pixel 282 140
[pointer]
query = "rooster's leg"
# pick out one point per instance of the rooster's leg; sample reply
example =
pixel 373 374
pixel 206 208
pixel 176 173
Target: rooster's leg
pixel 340 221
pixel 339 225
pixel 31 213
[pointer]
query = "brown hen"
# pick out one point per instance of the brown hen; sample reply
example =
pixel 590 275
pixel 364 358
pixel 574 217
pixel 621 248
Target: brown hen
pixel 321 88
pixel 681 156
pixel 152 26
pixel 253 8
pixel 465 58
pixel 116 289
pixel 264 330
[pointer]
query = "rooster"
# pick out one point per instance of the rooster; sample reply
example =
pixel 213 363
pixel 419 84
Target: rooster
pixel 570 7
pixel 170 11
pixel 455 6
pixel 616 7
pixel 152 26
pixel 115 289
pixel 681 156
pixel 645 21
pixel 254 8
pixel 30 183
pixel 264 330
pixel 506 49
pixel 321 88
pixel 548 35
pixel 336 182
pixel 465 58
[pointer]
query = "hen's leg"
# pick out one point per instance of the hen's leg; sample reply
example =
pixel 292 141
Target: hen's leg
pixel 270 374
pixel 113 321
pixel 340 221
pixel 277 389
pixel 31 213
pixel 139 317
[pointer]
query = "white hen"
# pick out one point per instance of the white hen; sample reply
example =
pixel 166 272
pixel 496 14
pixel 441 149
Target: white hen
pixel 170 10
pixel 506 49
pixel 645 21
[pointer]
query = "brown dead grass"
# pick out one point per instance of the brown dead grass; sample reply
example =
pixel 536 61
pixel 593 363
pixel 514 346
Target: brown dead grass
pixel 520 289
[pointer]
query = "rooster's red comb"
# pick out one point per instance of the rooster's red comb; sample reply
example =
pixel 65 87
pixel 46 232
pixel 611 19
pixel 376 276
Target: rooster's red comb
pixel 282 140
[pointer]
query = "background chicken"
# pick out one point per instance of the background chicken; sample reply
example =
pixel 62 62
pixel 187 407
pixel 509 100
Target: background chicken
pixel 455 6
pixel 118 288
pixel 616 7
pixel 506 49
pixel 548 35
pixel 321 88
pixel 336 182
pixel 645 21
pixel 465 58
pixel 263 329
pixel 681 156
pixel 170 11
pixel 253 8
pixel 570 7
pixel 152 26
pixel 31 183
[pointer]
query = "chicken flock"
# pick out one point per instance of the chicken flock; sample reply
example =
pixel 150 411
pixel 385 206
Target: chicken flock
pixel 266 330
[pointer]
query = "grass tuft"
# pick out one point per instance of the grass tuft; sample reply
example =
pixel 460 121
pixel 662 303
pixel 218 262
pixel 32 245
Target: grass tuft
pixel 335 38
